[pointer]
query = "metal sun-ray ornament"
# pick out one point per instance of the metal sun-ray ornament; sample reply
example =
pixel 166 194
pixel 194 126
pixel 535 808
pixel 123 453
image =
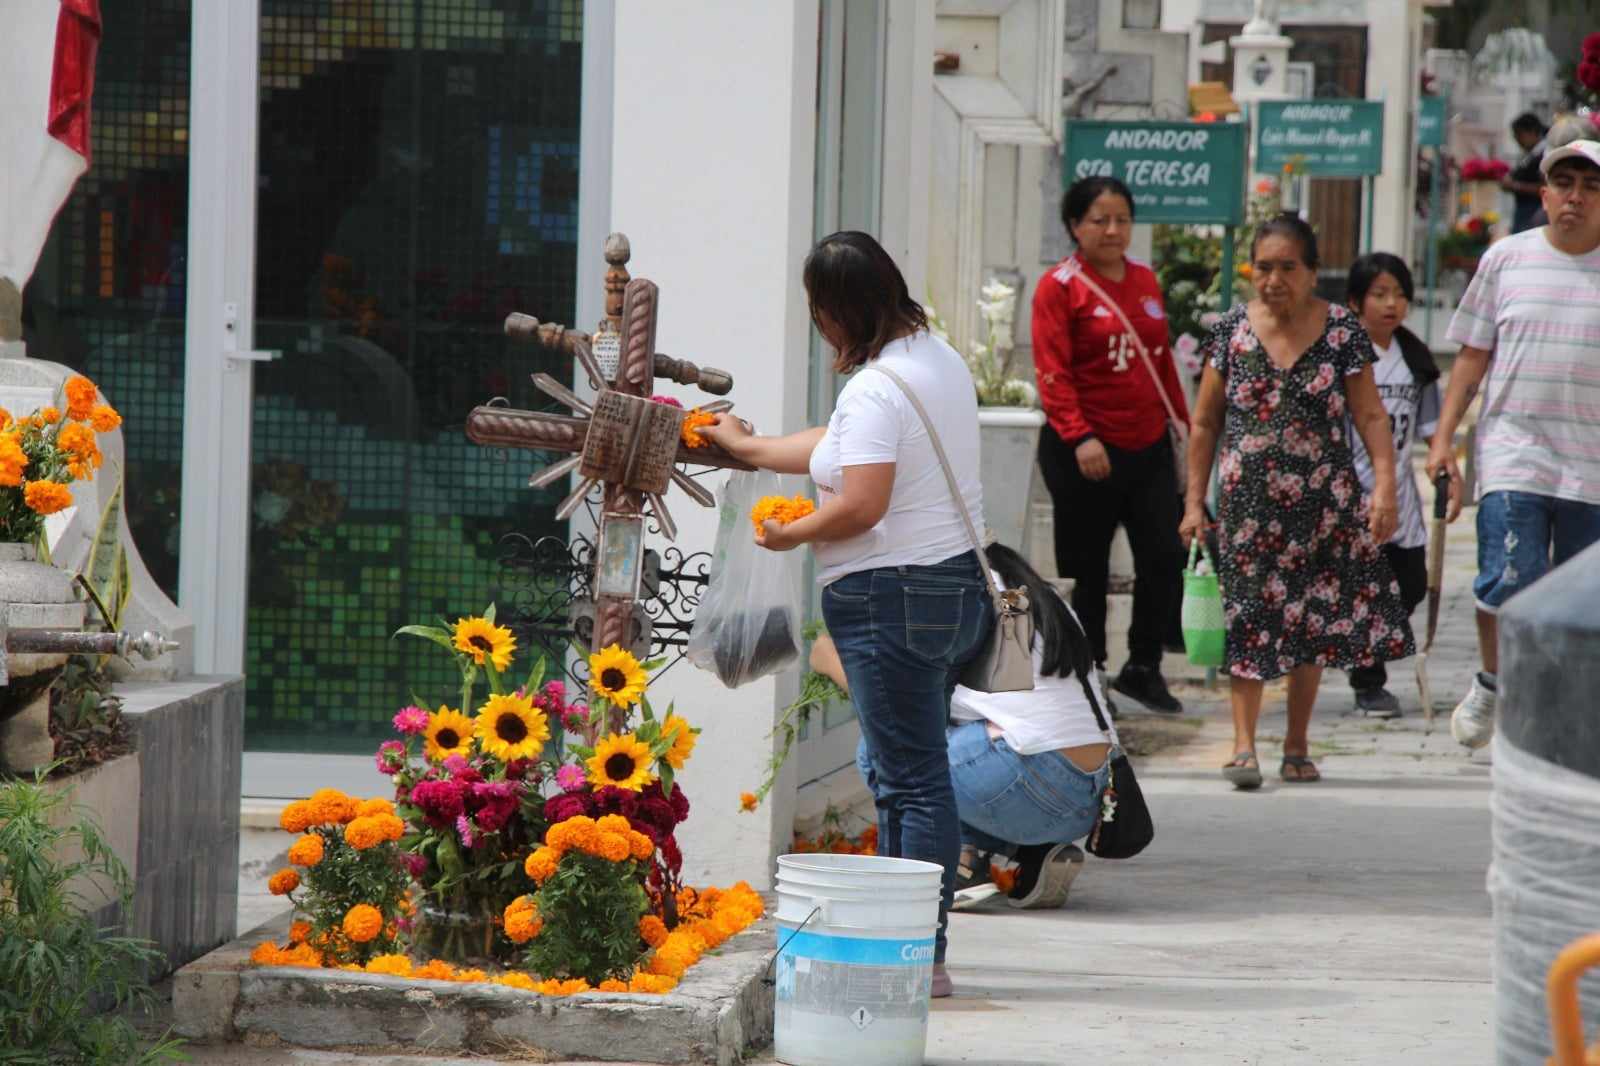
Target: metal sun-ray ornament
pixel 623 441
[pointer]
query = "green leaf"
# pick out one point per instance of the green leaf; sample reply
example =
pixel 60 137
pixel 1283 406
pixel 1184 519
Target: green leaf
pixel 644 709
pixel 438 636
pixel 488 615
pixel 535 677
pixel 495 687
pixel 666 780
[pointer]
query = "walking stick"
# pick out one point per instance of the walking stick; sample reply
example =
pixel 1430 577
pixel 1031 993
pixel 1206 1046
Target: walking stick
pixel 1436 535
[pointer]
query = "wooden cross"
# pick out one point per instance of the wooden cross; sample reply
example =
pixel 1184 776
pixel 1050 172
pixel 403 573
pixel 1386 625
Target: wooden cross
pixel 623 441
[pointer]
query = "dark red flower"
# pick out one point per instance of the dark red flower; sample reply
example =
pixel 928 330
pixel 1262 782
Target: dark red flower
pixel 497 801
pixel 613 800
pixel 567 805
pixel 679 802
pixel 1589 73
pixel 1591 46
pixel 671 855
pixel 441 802
pixel 416 865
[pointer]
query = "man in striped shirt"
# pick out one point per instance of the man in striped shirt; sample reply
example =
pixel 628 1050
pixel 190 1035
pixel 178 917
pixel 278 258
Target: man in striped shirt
pixel 1529 330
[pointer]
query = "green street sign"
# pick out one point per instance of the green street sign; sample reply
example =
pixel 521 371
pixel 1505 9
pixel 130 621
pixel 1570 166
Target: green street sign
pixel 1177 171
pixel 1328 138
pixel 1430 122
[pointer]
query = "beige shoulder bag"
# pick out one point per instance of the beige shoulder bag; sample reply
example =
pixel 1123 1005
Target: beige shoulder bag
pixel 1006 662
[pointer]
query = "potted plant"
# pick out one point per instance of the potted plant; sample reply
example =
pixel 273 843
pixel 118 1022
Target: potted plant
pixel 1467 240
pixel 1483 177
pixel 1009 418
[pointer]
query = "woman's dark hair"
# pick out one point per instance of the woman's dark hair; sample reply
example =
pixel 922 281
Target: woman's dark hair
pixel 1290 225
pixel 853 281
pixel 1082 194
pixel 1365 272
pixel 1061 638
pixel 1528 122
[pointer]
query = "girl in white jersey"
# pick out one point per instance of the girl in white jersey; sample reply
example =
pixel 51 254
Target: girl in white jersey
pixel 1380 290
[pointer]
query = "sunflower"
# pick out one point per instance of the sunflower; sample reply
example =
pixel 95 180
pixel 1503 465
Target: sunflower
pixel 621 761
pixel 449 733
pixel 511 727
pixel 683 741
pixel 617 676
pixel 480 638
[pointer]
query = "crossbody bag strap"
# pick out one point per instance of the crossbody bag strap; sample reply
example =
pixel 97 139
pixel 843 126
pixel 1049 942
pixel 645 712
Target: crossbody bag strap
pixel 950 479
pixel 1177 423
pixel 1094 704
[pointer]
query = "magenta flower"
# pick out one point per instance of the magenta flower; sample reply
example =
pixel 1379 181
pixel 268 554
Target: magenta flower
pixel 440 801
pixel 464 830
pixel 571 778
pixel 670 401
pixel 391 757
pixel 416 865
pixel 575 718
pixel 412 721
pixel 497 803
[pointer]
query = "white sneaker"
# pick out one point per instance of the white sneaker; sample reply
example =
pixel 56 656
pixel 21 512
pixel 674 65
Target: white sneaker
pixel 1472 722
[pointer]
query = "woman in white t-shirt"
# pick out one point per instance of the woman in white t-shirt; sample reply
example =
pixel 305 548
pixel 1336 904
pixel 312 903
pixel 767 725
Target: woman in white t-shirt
pixel 903 593
pixel 1029 768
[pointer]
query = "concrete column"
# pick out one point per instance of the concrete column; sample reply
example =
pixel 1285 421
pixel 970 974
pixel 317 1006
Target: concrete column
pixel 713 139
pixel 1393 59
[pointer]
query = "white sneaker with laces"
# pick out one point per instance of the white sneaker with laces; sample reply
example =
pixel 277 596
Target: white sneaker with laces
pixel 1472 722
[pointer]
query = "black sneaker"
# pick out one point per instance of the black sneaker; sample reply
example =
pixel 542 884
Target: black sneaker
pixel 1377 703
pixel 1045 875
pixel 1144 685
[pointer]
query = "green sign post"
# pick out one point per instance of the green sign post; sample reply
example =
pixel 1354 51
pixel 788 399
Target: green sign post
pixel 1178 172
pixel 1323 139
pixel 1430 122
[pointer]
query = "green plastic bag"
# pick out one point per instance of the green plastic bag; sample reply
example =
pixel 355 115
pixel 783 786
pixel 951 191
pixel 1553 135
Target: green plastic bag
pixel 1205 627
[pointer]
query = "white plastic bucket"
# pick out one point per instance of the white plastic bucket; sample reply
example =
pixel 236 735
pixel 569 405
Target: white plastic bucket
pixel 855 959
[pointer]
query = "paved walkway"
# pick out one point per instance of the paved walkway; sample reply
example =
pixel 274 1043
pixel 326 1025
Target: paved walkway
pixel 1343 922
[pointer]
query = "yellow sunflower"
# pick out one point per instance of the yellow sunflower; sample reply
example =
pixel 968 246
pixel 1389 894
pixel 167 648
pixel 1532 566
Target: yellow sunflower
pixel 479 637
pixel 617 676
pixel 449 733
pixel 511 727
pixel 622 761
pixel 683 741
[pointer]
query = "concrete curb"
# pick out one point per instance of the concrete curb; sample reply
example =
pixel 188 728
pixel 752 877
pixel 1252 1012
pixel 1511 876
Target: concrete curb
pixel 718 1013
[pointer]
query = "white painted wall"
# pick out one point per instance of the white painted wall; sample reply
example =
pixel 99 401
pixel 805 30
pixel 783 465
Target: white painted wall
pixel 713 134
pixel 1394 58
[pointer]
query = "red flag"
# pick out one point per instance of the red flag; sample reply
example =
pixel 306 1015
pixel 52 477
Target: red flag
pixel 47 57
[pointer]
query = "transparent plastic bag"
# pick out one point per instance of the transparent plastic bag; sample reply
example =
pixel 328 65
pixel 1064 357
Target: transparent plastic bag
pixel 748 623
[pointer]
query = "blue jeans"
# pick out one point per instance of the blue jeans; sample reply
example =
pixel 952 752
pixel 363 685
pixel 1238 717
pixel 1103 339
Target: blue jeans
pixel 1521 535
pixel 1006 799
pixel 903 635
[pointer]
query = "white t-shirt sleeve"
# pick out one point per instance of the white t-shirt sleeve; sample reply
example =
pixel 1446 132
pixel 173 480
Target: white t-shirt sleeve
pixel 869 426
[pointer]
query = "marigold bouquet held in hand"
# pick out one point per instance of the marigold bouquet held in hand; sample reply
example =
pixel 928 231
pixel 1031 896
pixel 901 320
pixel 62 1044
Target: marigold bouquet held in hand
pixel 779 509
pixel 45 452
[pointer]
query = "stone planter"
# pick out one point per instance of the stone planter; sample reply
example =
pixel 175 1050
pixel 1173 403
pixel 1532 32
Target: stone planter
pixel 1008 442
pixel 109 793
pixel 35 596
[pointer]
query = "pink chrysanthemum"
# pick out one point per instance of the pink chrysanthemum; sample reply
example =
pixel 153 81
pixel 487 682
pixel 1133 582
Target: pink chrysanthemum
pixel 571 778
pixel 391 757
pixel 412 721
pixel 670 401
pixel 464 829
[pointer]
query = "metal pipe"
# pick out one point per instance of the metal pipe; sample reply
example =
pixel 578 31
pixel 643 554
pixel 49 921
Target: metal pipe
pixel 76 642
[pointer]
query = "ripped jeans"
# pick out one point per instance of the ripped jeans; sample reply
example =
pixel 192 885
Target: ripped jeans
pixel 1521 536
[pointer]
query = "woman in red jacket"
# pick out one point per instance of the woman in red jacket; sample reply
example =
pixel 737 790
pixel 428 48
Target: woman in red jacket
pixel 1105 453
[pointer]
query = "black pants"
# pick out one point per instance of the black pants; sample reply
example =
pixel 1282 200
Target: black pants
pixel 1410 566
pixel 1141 495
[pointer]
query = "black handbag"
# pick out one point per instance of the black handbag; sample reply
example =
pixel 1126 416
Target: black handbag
pixel 1125 827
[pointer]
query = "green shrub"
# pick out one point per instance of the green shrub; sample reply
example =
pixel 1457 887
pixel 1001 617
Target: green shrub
pixel 66 988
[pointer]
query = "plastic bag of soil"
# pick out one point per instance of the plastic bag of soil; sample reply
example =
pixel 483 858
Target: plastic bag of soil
pixel 748 623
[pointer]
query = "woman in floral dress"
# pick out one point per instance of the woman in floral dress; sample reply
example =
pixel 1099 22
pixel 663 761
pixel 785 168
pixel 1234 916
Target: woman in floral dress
pixel 1304 584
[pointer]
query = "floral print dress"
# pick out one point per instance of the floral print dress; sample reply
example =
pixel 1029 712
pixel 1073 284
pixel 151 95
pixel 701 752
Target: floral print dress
pixel 1303 582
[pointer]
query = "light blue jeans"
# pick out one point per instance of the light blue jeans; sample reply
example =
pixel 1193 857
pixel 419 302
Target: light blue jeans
pixel 1005 799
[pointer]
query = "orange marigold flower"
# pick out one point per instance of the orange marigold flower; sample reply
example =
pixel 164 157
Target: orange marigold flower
pixel 652 930
pixel 611 984
pixel 780 509
pixel 643 847
pixel 333 806
pixel 541 865
pixel 554 987
pixel 265 954
pixel 47 415
pixel 376 805
pixel 614 848
pixel 364 833
pixel 301 955
pixel 747 801
pixel 77 439
pixel 522 920
pixel 363 923
pixel 298 931
pixel 651 984
pixel 469 975
pixel 692 421
pixel 307 851
pixel 395 965
pixel 283 882
pixel 13 460
pixel 517 980
pixel 613 823
pixel 81 397
pixel 47 497
pixel 296 817
pixel 436 970
pixel 103 417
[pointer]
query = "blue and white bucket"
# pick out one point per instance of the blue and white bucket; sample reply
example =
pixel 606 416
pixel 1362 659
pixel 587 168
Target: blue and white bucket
pixel 855 959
